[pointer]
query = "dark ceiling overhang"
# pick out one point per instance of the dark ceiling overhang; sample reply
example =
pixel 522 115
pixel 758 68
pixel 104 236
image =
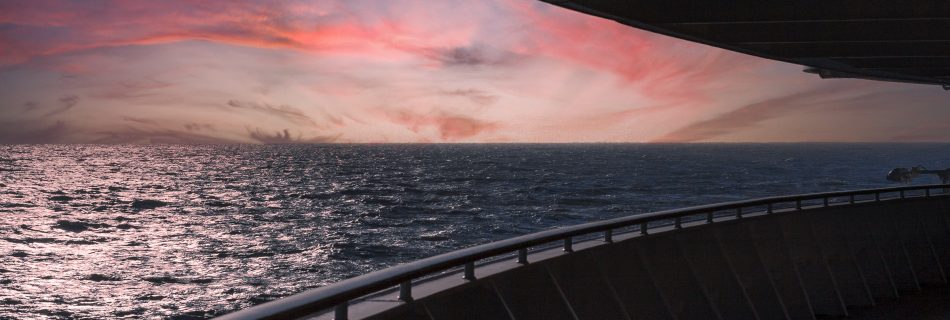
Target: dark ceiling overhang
pixel 885 40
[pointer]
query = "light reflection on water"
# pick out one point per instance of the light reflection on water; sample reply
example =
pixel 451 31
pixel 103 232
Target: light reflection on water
pixel 195 231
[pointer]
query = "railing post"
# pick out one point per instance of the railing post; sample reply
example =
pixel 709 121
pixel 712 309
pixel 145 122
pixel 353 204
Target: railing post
pixel 825 201
pixel 678 223
pixel 739 213
pixel 469 271
pixel 798 204
pixel 643 228
pixel 523 256
pixel 769 209
pixel 902 194
pixel 927 192
pixel 568 245
pixel 851 199
pixel 340 312
pixel 877 196
pixel 405 291
pixel 609 236
pixel 709 217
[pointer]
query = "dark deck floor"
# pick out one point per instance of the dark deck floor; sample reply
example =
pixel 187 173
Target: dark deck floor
pixel 930 303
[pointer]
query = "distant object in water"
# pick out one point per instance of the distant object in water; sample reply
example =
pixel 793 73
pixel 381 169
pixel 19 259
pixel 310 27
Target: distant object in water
pixel 904 175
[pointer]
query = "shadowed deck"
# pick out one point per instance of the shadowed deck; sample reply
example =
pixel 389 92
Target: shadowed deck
pixel 931 303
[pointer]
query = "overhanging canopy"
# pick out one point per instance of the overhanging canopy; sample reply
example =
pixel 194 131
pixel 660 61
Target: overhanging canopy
pixel 887 40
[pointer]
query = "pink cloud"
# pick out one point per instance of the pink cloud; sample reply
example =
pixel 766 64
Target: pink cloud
pixel 448 127
pixel 53 27
pixel 501 70
pixel 662 67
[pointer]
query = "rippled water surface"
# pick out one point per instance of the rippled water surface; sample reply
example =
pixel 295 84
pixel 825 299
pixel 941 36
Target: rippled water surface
pixel 91 232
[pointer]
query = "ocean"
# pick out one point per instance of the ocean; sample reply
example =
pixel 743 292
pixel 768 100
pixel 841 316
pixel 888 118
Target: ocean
pixel 191 232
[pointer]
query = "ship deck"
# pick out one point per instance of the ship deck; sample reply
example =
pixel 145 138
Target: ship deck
pixel 866 254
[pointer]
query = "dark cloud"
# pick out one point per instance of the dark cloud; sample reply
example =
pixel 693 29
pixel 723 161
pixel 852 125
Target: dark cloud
pixel 278 137
pixel 470 56
pixel 140 120
pixel 146 130
pixel 66 102
pixel 139 131
pixel 69 101
pixel 285 112
pixel 335 120
pixel 477 96
pixel 33 132
pixel 752 114
pixel 157 136
pixel 130 90
pixel 284 137
pixel 194 126
pixel 463 56
pixel 30 106
pixel 145 84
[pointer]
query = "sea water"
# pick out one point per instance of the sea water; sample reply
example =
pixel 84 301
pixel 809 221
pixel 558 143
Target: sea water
pixel 98 232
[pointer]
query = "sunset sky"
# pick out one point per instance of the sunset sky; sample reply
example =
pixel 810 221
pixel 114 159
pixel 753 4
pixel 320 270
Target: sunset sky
pixel 410 71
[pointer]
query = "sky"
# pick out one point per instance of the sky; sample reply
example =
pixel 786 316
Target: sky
pixel 408 71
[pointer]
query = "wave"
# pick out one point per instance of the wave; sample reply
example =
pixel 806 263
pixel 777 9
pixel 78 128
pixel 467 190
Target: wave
pixel 582 201
pixel 166 279
pixel 145 204
pixel 97 277
pixel 78 226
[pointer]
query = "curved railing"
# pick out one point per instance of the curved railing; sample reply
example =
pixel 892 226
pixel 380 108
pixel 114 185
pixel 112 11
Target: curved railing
pixel 339 295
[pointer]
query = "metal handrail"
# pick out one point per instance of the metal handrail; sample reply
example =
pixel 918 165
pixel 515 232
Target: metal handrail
pixel 338 295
